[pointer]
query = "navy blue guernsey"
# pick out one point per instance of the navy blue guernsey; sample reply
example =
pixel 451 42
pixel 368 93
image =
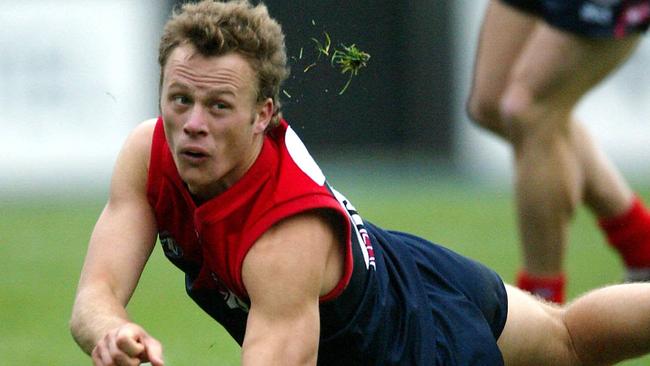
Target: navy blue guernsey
pixel 422 305
pixel 418 304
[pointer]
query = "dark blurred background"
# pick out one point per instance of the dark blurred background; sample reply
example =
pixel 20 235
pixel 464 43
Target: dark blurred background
pixel 400 103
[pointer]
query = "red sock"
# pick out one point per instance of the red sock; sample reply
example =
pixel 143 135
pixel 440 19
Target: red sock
pixel 550 288
pixel 629 234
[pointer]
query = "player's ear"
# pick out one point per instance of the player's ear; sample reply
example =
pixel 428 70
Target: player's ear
pixel 263 115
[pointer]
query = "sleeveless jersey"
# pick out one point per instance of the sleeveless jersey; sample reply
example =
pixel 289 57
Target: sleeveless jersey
pixel 401 300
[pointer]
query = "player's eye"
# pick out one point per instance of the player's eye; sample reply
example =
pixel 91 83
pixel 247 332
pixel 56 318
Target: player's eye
pixel 181 99
pixel 219 105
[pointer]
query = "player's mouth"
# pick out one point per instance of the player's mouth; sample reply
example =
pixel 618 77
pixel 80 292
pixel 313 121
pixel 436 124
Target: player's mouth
pixel 193 155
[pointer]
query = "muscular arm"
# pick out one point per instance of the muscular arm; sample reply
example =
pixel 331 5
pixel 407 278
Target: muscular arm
pixel 535 333
pixel 602 327
pixel 285 272
pixel 119 247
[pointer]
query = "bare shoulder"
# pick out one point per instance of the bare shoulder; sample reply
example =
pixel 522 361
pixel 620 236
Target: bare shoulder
pixel 309 228
pixel 132 165
pixel 303 250
pixel 141 136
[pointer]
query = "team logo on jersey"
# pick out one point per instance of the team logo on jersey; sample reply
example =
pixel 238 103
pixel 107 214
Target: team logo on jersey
pixel 229 297
pixel 170 246
pixel 602 14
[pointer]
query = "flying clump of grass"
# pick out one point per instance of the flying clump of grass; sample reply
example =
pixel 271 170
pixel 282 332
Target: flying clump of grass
pixel 349 59
pixel 323 49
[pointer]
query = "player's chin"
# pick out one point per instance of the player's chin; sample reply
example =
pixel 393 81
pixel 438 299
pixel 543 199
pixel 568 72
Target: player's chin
pixel 203 183
pixel 193 177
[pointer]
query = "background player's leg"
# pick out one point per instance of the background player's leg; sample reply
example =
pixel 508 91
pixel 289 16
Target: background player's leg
pixel 503 35
pixel 556 161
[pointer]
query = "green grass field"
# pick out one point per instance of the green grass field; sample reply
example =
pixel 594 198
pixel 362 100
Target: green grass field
pixel 42 244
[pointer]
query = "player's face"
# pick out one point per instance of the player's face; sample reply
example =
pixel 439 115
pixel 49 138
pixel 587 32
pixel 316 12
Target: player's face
pixel 213 124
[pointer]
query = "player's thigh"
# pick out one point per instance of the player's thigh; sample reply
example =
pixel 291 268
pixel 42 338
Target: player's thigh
pixel 556 68
pixel 534 333
pixel 504 32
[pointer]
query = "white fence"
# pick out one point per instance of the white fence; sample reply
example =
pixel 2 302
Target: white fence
pixel 75 77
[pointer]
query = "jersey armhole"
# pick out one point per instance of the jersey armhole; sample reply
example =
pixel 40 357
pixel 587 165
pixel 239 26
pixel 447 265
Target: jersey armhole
pixel 292 208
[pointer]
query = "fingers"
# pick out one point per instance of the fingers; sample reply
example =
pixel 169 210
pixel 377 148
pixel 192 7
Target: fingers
pixel 153 351
pixel 127 341
pixel 127 345
pixel 105 354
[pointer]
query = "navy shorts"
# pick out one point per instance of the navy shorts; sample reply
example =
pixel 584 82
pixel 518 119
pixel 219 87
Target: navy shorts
pixel 591 18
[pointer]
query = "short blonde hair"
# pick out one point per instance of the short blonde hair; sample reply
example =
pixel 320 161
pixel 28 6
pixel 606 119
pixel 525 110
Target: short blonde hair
pixel 216 28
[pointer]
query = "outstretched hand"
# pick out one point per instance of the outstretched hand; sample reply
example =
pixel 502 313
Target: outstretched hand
pixel 127 345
